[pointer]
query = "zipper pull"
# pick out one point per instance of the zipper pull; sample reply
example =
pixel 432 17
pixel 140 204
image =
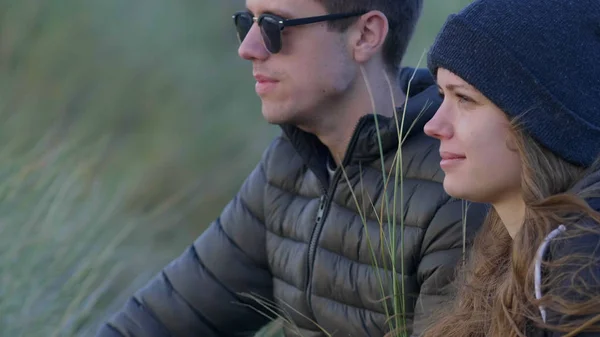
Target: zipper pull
pixel 321 209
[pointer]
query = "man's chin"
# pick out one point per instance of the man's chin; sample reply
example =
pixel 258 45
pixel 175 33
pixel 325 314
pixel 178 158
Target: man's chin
pixel 276 117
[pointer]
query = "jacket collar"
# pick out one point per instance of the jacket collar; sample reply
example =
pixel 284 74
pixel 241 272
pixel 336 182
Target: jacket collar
pixel 591 179
pixel 423 101
pixel 589 186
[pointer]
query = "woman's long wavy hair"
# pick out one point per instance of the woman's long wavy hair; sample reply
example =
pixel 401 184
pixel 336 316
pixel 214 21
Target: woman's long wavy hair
pixel 496 295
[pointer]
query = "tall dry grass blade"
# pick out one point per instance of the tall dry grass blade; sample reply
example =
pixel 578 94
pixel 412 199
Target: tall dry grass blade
pixel 274 307
pixel 388 210
pixel 386 202
pixel 399 176
pixel 369 242
pixel 379 143
pixel 465 209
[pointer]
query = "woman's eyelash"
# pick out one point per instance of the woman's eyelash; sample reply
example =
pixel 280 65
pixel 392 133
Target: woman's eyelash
pixel 464 98
pixel 459 96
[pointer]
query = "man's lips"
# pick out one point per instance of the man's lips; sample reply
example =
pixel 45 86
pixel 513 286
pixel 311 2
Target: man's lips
pixel 264 79
pixel 264 84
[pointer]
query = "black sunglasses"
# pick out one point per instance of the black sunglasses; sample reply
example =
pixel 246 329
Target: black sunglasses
pixel 271 25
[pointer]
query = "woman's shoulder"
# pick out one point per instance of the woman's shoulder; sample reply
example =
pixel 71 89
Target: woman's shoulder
pixel 572 261
pixel 581 238
pixel 578 242
pixel 571 276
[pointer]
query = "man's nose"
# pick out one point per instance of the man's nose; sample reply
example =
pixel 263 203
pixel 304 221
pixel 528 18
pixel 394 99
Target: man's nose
pixel 253 47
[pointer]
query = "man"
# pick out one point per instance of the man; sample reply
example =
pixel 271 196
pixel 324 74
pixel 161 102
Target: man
pixel 302 232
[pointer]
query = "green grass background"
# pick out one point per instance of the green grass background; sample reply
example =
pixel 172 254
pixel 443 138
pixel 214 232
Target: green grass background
pixel 125 127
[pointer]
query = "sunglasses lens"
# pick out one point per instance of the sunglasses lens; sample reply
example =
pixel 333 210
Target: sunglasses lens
pixel 243 22
pixel 271 33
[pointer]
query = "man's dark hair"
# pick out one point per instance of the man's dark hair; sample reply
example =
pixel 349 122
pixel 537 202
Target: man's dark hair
pixel 402 16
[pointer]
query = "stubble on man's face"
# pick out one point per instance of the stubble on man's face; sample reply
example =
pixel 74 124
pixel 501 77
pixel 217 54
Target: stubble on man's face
pixel 311 72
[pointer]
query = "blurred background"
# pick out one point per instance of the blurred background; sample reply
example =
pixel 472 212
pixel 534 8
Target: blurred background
pixel 126 126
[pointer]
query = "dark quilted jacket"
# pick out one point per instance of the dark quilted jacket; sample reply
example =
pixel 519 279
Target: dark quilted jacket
pixel 294 236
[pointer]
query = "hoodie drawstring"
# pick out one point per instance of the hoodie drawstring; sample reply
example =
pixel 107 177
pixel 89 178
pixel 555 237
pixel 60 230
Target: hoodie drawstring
pixel 538 265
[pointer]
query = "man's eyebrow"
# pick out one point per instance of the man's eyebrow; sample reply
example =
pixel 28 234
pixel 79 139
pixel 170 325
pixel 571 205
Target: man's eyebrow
pixel 279 12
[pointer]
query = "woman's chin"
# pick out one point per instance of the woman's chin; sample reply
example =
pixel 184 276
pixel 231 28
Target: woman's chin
pixel 459 189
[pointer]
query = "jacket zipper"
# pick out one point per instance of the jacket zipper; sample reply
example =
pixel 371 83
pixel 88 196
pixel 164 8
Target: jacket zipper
pixel 324 203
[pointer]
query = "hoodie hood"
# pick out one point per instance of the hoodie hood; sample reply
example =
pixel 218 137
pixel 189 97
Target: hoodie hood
pixel 589 189
pixel 589 186
pixel 421 104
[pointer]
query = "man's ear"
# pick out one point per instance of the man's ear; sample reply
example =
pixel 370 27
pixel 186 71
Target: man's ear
pixel 368 35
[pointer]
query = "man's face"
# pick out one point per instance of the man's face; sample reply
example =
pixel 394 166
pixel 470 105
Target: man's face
pixel 313 70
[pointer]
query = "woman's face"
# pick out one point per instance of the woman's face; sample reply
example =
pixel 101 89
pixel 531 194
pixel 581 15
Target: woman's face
pixel 479 158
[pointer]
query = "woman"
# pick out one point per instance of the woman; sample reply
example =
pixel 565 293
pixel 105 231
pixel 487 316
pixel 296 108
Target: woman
pixel 519 128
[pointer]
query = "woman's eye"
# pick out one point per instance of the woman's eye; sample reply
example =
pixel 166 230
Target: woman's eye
pixel 464 99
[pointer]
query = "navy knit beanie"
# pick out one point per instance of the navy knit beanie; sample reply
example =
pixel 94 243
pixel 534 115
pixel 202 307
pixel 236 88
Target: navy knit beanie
pixel 535 59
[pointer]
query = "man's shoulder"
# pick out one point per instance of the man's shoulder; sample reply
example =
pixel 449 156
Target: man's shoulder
pixel 279 148
pixel 281 158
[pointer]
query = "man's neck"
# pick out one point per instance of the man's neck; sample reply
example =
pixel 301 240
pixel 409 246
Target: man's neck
pixel 370 94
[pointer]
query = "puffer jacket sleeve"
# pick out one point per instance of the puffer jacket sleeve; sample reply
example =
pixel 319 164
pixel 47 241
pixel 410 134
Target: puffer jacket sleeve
pixel 441 254
pixel 198 293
